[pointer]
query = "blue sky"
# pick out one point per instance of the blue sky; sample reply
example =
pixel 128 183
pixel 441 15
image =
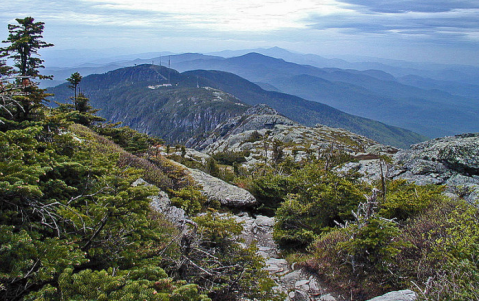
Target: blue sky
pixel 421 30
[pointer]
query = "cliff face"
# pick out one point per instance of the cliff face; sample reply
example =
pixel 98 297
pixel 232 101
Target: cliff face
pixel 257 118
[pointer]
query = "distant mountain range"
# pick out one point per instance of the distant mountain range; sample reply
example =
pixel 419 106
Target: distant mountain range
pixel 372 94
pixel 199 100
pixel 435 101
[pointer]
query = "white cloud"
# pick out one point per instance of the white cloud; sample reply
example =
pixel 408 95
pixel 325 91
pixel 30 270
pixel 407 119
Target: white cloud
pixel 227 15
pixel 367 26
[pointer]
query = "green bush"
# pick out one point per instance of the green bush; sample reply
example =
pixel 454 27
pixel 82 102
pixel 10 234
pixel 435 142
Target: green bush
pixel 189 199
pixel 457 276
pixel 373 245
pixel 321 200
pixel 270 190
pixel 224 268
pixel 404 200
pixel 131 140
pixel 212 167
pixel 433 251
pixel 229 157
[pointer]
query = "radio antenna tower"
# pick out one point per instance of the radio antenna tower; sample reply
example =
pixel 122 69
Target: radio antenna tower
pixel 169 66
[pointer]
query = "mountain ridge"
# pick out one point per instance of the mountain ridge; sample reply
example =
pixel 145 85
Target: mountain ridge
pixel 432 113
pixel 112 91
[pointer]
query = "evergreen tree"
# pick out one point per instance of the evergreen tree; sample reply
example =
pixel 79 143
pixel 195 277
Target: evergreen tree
pixel 5 99
pixel 4 68
pixel 212 167
pixel 81 112
pixel 24 42
pixel 74 81
pixel 278 152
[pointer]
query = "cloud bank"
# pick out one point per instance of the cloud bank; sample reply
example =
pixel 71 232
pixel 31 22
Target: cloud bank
pixel 378 27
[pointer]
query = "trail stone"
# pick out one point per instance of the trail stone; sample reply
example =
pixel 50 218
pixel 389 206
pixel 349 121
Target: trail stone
pixel 275 266
pixel 327 297
pixel 289 280
pixel 314 287
pixel 302 285
pixel 300 296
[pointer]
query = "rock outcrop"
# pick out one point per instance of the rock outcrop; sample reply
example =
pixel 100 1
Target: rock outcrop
pixel 452 161
pixel 218 190
pixel 256 118
pixel 261 129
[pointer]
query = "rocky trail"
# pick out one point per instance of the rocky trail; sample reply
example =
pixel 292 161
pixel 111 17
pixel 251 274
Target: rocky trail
pixel 296 283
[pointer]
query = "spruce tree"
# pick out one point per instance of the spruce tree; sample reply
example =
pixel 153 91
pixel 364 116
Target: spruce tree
pixel 24 42
pixel 74 81
pixel 4 68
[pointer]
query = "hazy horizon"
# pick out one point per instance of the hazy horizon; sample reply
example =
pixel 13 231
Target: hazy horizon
pixel 444 32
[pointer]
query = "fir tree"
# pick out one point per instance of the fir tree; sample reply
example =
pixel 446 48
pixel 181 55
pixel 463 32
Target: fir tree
pixel 24 42
pixel 74 81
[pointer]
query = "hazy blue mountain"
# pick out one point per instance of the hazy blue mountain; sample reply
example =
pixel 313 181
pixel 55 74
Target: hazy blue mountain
pixel 123 95
pixel 370 93
pixel 456 88
pixel 398 68
pixel 137 96
pixel 112 63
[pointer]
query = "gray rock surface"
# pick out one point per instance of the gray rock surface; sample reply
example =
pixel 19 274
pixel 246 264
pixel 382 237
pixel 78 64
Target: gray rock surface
pixel 305 141
pixel 259 127
pixel 162 204
pixel 404 295
pixel 296 284
pixel 216 189
pixel 452 161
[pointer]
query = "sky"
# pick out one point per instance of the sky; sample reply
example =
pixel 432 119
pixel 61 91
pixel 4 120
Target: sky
pixel 444 31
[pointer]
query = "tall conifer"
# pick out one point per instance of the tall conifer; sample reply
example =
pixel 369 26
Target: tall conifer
pixel 24 41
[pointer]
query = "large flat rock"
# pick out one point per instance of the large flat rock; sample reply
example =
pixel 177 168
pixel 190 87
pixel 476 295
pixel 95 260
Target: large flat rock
pixel 217 189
